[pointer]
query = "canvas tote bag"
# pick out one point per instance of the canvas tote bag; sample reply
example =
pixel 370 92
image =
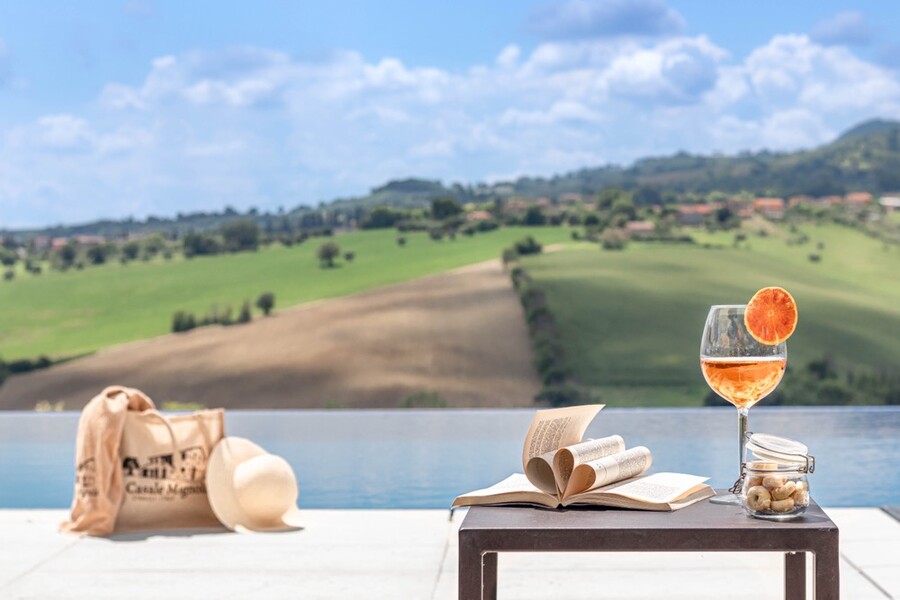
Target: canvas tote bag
pixel 163 461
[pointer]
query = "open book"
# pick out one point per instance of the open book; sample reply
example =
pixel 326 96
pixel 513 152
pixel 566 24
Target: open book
pixel 561 470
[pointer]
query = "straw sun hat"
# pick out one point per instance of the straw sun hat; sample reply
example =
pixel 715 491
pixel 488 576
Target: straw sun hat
pixel 250 489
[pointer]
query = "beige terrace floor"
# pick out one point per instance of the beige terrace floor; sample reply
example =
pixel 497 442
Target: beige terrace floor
pixel 399 554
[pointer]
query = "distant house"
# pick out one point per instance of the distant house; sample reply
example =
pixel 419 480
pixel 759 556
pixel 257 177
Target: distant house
pixel 640 229
pixel 544 202
pixel 693 214
pixel 858 199
pixel 890 203
pixel 479 215
pixel 771 208
pixel 58 242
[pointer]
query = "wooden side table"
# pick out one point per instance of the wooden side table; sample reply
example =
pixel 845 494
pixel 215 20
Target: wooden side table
pixel 702 527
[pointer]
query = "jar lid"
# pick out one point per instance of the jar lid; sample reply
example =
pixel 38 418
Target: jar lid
pixel 780 450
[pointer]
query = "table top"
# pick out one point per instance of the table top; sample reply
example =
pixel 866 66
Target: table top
pixel 702 516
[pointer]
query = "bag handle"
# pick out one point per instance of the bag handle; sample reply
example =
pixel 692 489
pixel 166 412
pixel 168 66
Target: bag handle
pixel 176 454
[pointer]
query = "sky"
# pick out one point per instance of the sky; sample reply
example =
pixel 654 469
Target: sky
pixel 148 107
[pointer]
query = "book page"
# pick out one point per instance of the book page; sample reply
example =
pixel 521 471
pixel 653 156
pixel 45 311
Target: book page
pixel 514 489
pixel 608 469
pixel 568 458
pixel 554 428
pixel 539 471
pixel 657 488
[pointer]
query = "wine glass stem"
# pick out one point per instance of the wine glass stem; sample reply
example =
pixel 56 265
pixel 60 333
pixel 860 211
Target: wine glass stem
pixel 743 414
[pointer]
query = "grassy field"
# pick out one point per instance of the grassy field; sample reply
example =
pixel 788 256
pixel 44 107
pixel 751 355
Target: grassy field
pixel 631 320
pixel 76 312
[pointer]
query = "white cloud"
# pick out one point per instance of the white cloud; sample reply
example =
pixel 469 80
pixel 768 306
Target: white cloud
pixel 254 126
pixel 64 132
pixel 509 56
pixel 559 112
pixel 791 70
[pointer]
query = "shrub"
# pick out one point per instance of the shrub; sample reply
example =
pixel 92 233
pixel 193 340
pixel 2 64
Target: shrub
pixel 9 274
pixel 183 321
pixel 130 250
pixel 613 239
pixel 327 253
pixel 98 254
pixel 401 241
pixel 266 302
pixel 815 257
pixel 443 208
pixel 519 277
pixel 240 236
pixel 199 244
pixel 349 256
pixel 245 315
pixel 436 234
pixel 509 256
pixel 484 226
pixel 534 216
pixel 382 217
pixel 528 245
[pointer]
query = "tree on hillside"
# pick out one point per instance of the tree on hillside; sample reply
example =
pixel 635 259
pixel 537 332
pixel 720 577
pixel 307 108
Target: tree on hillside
pixel 154 244
pixel 382 217
pixel 130 250
pixel 8 257
pixel 98 254
pixel 199 244
pixel 240 236
pixel 534 216
pixel 443 208
pixel 67 255
pixel 327 253
pixel 266 302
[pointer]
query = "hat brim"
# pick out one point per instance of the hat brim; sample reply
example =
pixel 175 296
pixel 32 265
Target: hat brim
pixel 223 460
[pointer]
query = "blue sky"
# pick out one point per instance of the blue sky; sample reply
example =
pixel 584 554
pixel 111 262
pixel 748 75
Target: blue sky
pixel 115 109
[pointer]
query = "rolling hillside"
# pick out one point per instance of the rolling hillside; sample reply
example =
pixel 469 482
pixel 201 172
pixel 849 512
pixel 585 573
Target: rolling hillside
pixel 73 312
pixel 631 321
pixel 455 339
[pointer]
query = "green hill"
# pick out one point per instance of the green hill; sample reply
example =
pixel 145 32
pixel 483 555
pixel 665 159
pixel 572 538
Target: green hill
pixel 72 312
pixel 630 321
pixel 865 158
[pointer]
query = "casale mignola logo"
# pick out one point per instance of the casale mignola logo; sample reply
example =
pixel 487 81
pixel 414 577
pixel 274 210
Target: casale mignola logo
pixel 86 478
pixel 169 482
pixel 162 466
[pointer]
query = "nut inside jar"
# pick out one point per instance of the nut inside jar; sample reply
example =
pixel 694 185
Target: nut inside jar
pixel 774 491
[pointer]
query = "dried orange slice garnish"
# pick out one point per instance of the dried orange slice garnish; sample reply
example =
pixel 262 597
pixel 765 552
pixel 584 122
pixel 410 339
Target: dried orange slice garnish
pixel 771 315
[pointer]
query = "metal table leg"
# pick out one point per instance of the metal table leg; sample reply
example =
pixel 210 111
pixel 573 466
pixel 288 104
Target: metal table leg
pixel 795 576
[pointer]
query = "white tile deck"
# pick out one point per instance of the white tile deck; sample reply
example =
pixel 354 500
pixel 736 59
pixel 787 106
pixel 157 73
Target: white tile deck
pixel 398 554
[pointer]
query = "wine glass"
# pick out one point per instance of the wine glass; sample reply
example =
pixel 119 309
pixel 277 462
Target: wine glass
pixel 738 368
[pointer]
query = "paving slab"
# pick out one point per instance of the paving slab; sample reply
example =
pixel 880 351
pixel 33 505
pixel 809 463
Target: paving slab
pixel 408 554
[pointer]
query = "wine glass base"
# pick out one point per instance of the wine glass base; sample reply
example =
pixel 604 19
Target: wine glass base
pixel 729 498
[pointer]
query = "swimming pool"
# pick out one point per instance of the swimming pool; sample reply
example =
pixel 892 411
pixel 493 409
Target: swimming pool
pixel 424 458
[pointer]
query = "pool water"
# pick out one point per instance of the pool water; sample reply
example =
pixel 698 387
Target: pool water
pixel 425 458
